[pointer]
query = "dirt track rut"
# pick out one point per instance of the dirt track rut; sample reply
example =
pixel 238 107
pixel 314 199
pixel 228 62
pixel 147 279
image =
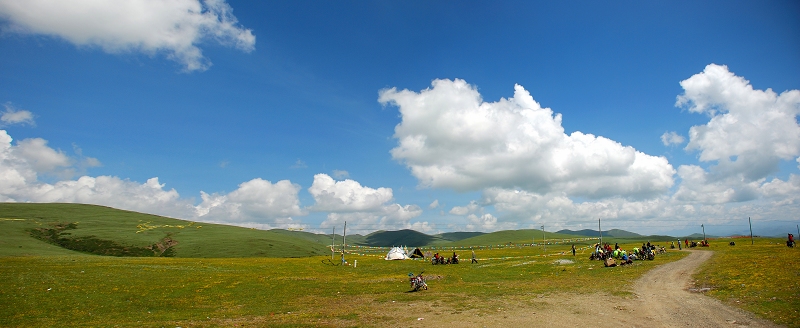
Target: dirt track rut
pixel 661 299
pixel 668 303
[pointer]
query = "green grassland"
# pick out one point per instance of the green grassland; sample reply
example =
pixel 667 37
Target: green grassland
pixel 226 276
pixel 763 278
pixel 134 229
pixel 99 225
pixel 312 291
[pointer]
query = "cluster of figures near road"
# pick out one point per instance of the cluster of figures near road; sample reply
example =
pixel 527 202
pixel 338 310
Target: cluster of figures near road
pixel 610 256
pixel 438 259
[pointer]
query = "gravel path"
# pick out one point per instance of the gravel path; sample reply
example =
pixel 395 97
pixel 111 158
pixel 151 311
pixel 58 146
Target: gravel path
pixel 661 299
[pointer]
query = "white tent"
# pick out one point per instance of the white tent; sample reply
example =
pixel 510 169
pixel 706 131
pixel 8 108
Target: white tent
pixel 396 253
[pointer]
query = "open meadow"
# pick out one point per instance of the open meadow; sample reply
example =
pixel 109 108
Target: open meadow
pixel 103 291
pixel 228 280
pixel 92 290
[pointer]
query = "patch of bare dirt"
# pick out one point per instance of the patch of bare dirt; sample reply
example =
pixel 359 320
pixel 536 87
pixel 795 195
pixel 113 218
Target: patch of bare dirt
pixel 661 299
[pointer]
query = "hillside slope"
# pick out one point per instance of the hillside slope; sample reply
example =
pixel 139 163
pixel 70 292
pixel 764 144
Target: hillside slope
pixel 524 236
pixel 136 230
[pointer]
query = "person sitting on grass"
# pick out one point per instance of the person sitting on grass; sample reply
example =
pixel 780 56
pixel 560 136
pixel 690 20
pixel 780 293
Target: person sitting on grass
pixel 626 259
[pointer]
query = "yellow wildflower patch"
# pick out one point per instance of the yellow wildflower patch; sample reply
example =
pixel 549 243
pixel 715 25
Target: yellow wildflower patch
pixel 147 226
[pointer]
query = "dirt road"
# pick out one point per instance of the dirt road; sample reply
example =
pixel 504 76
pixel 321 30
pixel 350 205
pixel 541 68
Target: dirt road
pixel 664 293
pixel 661 299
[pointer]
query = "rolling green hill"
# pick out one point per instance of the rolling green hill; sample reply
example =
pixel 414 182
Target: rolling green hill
pixel 404 237
pixel 509 236
pixel 456 236
pixel 613 233
pixel 98 228
pixel 90 229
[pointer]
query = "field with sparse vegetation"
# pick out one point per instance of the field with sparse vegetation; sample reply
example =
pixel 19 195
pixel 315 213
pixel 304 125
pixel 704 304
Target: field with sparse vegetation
pixel 105 291
pixel 46 284
pixel 763 278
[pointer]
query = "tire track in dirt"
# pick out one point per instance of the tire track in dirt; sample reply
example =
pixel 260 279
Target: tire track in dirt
pixel 664 298
pixel 661 299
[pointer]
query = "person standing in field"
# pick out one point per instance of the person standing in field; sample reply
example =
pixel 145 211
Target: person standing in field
pixel 474 260
pixel 573 249
pixel 679 244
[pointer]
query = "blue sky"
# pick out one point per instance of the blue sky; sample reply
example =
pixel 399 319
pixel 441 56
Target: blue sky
pixel 435 116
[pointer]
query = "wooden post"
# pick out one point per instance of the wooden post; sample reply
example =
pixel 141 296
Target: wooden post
pixel 344 240
pixel 704 232
pixel 544 240
pixel 751 230
pixel 601 232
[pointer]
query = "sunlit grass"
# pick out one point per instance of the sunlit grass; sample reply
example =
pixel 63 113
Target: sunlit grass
pixel 105 291
pixel 763 278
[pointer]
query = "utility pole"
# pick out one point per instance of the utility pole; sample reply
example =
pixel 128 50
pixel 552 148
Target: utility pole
pixel 333 242
pixel 544 240
pixel 704 231
pixel 751 230
pixel 344 238
pixel 601 232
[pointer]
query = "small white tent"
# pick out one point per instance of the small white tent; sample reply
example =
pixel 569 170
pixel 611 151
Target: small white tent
pixel 396 253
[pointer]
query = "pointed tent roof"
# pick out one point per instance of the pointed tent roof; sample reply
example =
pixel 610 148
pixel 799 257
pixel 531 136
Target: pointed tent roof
pixel 396 253
pixel 416 253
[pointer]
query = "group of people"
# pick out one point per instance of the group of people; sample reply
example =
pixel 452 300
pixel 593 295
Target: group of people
pixel 439 259
pixel 702 243
pixel 605 252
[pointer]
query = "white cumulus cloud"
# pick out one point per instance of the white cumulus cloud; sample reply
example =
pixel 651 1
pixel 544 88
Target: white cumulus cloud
pixel 257 203
pixel 39 156
pixel 174 27
pixel 450 138
pixel 749 133
pixel 346 196
pixel 364 208
pixel 472 207
pixel 256 200
pixel 750 130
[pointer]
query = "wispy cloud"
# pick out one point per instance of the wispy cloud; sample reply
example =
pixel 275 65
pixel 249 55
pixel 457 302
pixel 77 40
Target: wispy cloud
pixel 13 115
pixel 672 138
pixel 299 164
pixel 341 174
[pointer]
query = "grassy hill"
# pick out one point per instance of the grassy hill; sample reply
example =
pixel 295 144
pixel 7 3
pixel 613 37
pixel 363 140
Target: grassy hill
pixel 456 236
pixel 96 228
pixel 508 236
pixel 613 233
pixel 90 229
pixel 398 238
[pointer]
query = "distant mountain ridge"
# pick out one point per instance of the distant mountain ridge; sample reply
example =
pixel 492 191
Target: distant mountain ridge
pixel 405 237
